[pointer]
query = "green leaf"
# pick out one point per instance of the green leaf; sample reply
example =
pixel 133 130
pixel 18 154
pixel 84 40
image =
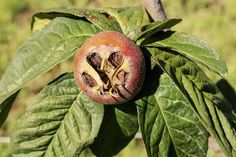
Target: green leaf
pixel 169 125
pixel 119 126
pixel 96 17
pixel 5 107
pixel 129 18
pixel 62 122
pixel 215 113
pixel 53 44
pixel 157 26
pixel 190 47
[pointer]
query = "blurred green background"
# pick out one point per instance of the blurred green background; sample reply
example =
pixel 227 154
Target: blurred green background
pixel 214 21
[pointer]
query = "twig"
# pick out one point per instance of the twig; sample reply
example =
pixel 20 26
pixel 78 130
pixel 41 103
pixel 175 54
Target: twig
pixel 155 9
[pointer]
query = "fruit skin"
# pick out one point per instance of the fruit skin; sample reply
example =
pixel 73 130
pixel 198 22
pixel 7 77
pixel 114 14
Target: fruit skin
pixel 131 52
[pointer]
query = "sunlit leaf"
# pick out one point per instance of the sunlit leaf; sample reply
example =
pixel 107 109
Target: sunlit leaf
pixel 189 46
pixel 56 42
pixel 62 122
pixel 169 125
pixel 215 113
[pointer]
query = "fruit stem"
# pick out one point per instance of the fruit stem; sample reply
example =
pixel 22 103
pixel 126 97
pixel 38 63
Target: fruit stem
pixel 155 9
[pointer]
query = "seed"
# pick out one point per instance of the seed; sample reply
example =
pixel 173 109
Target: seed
pixel 88 80
pixel 94 60
pixel 115 59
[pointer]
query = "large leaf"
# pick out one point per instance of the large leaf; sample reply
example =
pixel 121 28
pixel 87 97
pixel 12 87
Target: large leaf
pixel 215 113
pixel 157 26
pixel 61 122
pixel 96 17
pixel 190 47
pixel 118 128
pixel 169 125
pixel 129 18
pixel 46 48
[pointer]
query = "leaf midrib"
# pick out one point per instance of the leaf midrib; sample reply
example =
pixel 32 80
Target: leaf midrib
pixel 169 128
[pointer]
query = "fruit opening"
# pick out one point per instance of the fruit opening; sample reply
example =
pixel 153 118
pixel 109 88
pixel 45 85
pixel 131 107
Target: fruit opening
pixel 111 68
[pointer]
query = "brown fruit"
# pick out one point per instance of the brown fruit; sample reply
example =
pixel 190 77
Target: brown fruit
pixel 109 68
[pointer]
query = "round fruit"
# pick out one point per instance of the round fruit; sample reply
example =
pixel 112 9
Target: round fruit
pixel 109 68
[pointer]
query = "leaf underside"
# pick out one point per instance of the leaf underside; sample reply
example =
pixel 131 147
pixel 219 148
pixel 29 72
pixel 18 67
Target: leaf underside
pixel 61 122
pixel 214 112
pixel 169 126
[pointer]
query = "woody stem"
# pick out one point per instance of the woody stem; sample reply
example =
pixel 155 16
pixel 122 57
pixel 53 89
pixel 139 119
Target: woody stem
pixel 155 9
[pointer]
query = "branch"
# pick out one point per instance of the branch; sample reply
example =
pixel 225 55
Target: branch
pixel 155 9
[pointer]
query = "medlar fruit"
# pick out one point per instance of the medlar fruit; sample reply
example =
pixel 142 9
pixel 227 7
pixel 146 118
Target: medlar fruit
pixel 110 68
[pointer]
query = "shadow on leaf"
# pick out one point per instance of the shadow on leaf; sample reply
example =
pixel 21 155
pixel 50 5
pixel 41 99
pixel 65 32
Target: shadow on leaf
pixel 228 91
pixel 118 128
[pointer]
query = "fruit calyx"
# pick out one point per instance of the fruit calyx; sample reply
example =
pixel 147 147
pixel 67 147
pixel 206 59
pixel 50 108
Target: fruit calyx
pixel 110 68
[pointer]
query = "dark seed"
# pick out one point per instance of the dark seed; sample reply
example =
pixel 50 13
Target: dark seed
pixel 94 60
pixel 88 80
pixel 122 76
pixel 104 77
pixel 115 59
